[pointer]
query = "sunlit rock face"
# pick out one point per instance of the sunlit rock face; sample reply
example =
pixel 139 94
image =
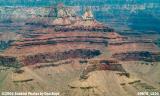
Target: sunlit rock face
pixel 87 48
pixel 138 15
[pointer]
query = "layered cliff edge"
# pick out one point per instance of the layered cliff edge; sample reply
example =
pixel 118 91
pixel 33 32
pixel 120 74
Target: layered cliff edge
pixel 79 58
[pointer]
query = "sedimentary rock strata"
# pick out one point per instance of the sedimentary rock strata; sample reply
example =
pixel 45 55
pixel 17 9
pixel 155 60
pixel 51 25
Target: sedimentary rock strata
pixel 138 56
pixel 60 40
pixel 129 47
pixel 95 65
pixel 76 56
pixel 54 57
pixel 48 57
pixel 83 28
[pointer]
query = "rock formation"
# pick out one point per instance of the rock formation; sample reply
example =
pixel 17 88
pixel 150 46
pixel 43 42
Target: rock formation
pixel 49 52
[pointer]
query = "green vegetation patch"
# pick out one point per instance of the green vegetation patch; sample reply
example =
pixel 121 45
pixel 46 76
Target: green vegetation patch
pixel 7 61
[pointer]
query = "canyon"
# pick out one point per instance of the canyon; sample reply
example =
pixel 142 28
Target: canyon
pixel 78 57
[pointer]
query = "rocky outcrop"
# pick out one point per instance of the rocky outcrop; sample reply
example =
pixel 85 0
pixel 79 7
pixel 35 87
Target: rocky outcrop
pixel 130 42
pixel 68 37
pixel 16 62
pixel 102 65
pixel 138 56
pixel 61 40
pixel 56 64
pixel 83 28
pixel 57 56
